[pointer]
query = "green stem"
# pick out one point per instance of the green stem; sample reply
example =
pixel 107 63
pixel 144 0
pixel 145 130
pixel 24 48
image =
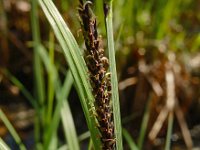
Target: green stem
pixel 12 130
pixel 50 80
pixel 144 124
pixel 114 81
pixel 169 131
pixel 38 71
pixel 129 140
pixel 76 64
pixel 3 145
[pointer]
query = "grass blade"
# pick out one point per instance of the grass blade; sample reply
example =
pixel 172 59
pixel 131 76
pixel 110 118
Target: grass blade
pixel 167 13
pixel 84 136
pixel 169 131
pixel 39 85
pixel 3 145
pixel 196 44
pixel 64 147
pixel 114 81
pixel 50 87
pixel 129 140
pixel 39 80
pixel 71 136
pixel 68 125
pixel 144 124
pixel 62 107
pixel 22 88
pixel 66 116
pixel 76 64
pixel 12 130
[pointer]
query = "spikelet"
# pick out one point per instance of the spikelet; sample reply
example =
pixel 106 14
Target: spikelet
pixel 98 65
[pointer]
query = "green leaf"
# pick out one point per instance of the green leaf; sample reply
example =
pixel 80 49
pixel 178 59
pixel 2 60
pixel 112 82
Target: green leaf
pixel 62 110
pixel 39 82
pixel 114 80
pixel 76 64
pixel 169 131
pixel 144 124
pixel 69 127
pixel 22 88
pixel 3 145
pixel 129 140
pixel 12 130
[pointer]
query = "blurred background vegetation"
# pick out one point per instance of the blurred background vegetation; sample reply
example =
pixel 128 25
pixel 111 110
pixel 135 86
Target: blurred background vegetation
pixel 156 42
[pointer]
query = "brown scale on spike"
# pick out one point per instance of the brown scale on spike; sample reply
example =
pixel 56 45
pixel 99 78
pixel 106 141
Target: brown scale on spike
pixel 97 64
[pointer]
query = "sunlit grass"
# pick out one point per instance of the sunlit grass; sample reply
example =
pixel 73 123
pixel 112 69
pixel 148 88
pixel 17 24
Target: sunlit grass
pixel 128 26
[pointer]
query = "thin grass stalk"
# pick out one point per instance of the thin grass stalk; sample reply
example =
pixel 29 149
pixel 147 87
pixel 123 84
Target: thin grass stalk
pixel 38 73
pixel 130 11
pixel 84 136
pixel 39 85
pixel 12 130
pixel 31 100
pixel 66 115
pixel 61 93
pixel 129 140
pixel 169 131
pixel 114 80
pixel 144 124
pixel 99 12
pixel 167 13
pixel 196 44
pixel 64 147
pixel 61 109
pixel 50 87
pixel 69 127
pixel 3 145
pixel 4 30
pixel 76 64
pixel 23 89
pixel 90 146
pixel 50 130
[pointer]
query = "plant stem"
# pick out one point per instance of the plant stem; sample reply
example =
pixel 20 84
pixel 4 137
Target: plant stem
pixel 76 64
pixel 144 123
pixel 114 81
pixel 129 140
pixel 12 130
pixel 3 145
pixel 169 131
pixel 50 79
pixel 38 72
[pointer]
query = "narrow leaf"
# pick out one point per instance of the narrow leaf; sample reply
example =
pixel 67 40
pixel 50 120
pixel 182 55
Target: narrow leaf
pixel 12 130
pixel 114 80
pixel 76 64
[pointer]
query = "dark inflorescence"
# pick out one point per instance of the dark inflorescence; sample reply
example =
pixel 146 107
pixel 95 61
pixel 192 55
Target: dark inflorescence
pixel 99 76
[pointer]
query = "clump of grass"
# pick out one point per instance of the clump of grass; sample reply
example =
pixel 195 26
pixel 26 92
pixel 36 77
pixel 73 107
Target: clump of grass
pixel 99 75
